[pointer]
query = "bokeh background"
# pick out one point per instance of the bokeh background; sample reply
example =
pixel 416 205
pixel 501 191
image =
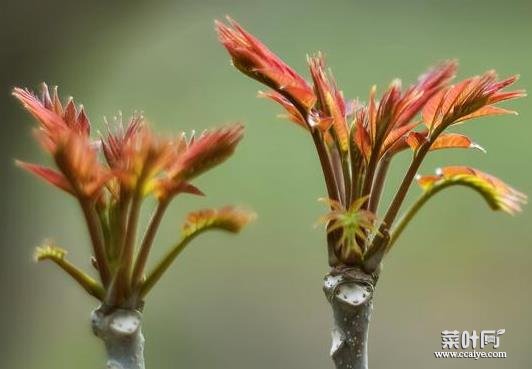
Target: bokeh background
pixel 255 301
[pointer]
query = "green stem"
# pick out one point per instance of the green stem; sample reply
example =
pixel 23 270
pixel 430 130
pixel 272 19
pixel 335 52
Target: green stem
pixel 368 179
pixel 405 185
pixel 95 233
pixel 367 187
pixel 92 220
pixel 402 191
pixel 84 280
pixel 321 148
pixel 147 242
pixel 433 190
pixel 123 207
pixel 126 256
pixel 326 166
pixel 377 249
pixel 378 183
pixel 347 179
pixel 357 171
pixel 328 174
pixel 410 213
pixel 164 264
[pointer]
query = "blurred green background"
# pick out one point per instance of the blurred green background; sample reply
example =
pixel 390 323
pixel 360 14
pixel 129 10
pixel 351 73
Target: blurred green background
pixel 255 301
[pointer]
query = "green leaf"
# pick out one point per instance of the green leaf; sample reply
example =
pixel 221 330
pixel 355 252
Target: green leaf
pixel 228 218
pixel 498 195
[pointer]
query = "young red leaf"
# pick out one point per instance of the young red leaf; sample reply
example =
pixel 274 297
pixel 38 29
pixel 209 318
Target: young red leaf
pixel 397 134
pixel 117 143
pixel 77 159
pixel 428 84
pixel 390 119
pixel 331 102
pixel 255 60
pixel 360 134
pixel 210 149
pixel 291 111
pixel 64 132
pixel 137 155
pixel 487 111
pixel 54 119
pixel 469 99
pixel 47 174
pixel 165 188
pixel 388 109
pixel 444 141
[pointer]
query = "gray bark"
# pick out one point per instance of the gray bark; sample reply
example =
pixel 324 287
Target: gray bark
pixel 350 293
pixel 120 331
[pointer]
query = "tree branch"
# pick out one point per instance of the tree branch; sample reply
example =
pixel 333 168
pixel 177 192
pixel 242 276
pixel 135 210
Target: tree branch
pixel 120 331
pixel 350 293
